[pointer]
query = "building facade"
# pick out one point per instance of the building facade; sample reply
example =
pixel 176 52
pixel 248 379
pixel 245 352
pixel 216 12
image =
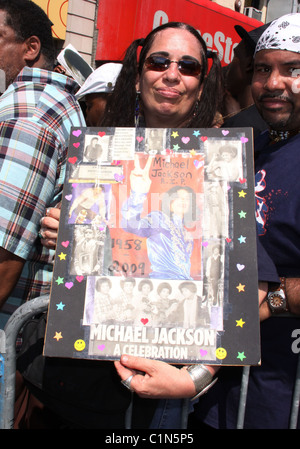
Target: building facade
pixel 77 22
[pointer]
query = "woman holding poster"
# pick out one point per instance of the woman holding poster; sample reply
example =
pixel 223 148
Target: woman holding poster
pixel 164 83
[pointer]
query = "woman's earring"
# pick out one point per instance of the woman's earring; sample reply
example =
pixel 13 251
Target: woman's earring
pixel 196 108
pixel 137 109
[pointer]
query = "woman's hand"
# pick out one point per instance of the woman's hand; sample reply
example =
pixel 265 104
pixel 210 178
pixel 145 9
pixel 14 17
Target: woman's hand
pixel 160 380
pixel 49 227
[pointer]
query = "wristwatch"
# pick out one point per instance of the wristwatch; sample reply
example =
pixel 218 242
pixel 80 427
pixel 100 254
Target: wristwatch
pixel 276 298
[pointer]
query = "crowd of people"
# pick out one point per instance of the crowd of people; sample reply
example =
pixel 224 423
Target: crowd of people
pixel 170 80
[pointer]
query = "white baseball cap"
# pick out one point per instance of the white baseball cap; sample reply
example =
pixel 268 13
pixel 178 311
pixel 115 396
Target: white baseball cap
pixel 102 79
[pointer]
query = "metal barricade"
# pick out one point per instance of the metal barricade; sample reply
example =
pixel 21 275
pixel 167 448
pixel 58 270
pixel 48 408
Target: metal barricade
pixel 8 339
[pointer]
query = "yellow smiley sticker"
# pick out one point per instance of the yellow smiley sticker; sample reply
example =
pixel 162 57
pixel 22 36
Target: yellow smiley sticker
pixel 221 353
pixel 79 345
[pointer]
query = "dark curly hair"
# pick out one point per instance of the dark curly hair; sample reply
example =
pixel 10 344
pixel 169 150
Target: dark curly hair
pixel 121 105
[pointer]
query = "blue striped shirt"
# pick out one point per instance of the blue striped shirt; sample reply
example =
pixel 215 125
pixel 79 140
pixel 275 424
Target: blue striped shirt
pixel 37 112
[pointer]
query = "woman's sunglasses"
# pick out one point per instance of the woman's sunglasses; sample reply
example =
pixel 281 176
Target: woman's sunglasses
pixel 157 63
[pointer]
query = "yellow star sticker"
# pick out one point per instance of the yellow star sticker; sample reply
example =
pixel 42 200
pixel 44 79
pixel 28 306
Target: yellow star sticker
pixel 242 194
pixel 174 134
pixel 240 323
pixel 241 288
pixel 57 336
pixel 62 256
pixel 193 153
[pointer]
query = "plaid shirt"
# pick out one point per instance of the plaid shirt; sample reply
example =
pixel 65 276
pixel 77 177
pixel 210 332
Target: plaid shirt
pixel 36 114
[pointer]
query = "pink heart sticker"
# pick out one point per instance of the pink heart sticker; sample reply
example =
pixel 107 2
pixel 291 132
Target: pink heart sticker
pixel 140 139
pixel 118 177
pixel 72 160
pixel 68 197
pixel 244 139
pixel 65 244
pixel 203 352
pixel 76 133
pixel 228 240
pixel 185 140
pixel 198 164
pixel 79 278
pixel 101 347
pixel 76 144
pixel 69 285
pixel 204 244
pixel 144 320
pixel 225 132
pixel 101 133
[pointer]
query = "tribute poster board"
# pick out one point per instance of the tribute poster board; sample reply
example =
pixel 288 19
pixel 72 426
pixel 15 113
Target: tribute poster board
pixel 156 252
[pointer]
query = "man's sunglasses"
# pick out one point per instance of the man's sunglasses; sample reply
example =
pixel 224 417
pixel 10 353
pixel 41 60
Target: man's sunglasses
pixel 157 63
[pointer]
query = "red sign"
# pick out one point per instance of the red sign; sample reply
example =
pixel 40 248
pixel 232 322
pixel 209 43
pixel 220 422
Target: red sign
pixel 122 21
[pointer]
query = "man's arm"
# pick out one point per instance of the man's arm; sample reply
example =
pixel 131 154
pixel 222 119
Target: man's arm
pixel 292 291
pixel 292 287
pixel 10 269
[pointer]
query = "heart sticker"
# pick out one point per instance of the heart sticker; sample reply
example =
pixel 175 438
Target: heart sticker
pixel 79 278
pixel 69 285
pixel 118 177
pixel 185 140
pixel 76 144
pixel 76 133
pixel 72 160
pixel 198 164
pixel 140 139
pixel 101 133
pixel 144 320
pixel 65 244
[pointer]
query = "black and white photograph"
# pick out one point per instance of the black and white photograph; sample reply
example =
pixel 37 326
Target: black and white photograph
pixel 98 149
pixel 88 250
pixel 216 210
pixel 155 140
pixel 224 160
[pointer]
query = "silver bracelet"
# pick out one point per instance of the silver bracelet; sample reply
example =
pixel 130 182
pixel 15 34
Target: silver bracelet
pixel 202 378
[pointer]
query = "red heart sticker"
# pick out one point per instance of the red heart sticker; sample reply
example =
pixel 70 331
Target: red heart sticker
pixel 72 160
pixel 101 133
pixel 144 320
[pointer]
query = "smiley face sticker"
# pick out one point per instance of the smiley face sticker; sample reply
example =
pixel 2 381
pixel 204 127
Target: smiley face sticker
pixel 221 353
pixel 79 345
